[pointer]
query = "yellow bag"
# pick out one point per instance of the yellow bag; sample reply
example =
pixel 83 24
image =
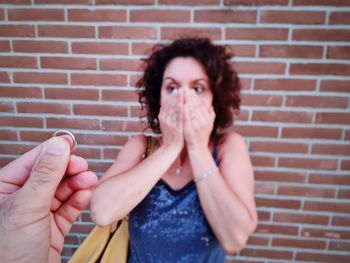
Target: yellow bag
pixel 104 245
pixel 110 243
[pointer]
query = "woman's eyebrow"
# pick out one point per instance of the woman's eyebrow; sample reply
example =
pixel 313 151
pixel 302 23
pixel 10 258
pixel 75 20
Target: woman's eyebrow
pixel 172 79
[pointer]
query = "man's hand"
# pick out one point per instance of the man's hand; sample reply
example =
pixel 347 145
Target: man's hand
pixel 41 195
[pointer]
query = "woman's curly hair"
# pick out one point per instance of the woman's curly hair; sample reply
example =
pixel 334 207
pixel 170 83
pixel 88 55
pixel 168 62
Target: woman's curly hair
pixel 215 59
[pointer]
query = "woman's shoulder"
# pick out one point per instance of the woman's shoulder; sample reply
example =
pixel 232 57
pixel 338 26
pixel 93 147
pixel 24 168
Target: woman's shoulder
pixel 231 141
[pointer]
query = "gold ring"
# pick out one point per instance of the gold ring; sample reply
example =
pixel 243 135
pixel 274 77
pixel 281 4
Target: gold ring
pixel 69 133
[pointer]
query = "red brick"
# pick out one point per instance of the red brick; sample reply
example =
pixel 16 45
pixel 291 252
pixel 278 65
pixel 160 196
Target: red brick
pixel 320 69
pixel 119 95
pixel 100 48
pixel 264 215
pixel 190 2
pixel 264 189
pixel 4 77
pixel 339 18
pixel 71 94
pixel 2 14
pixel 344 194
pixel 169 16
pixel 142 48
pixel 31 46
pixel 256 2
pixel 264 161
pixel 98 79
pixel 298 243
pixel 18 62
pixel 243 115
pixel 285 84
pixel 278 147
pixel 8 135
pixel 257 131
pixel 171 33
pixel 340 221
pixel 17 31
pixel 88 152
pixel 261 100
pixel 339 246
pixel 335 85
pixel 101 139
pixel 6 107
pixel 127 32
pixel 73 123
pixel 333 118
pixel 327 206
pixel 311 133
pixel 5 46
pixel 256 34
pixel 66 31
pixel 243 50
pixel 20 92
pixel 16 2
pixel 280 176
pixel 342 52
pixel 277 229
pixel 282 116
pixel 120 64
pixel 41 107
pixel 99 167
pixel 321 257
pixel 100 110
pixel 317 102
pixel 16 149
pixel 225 16
pixel 308 163
pixel 291 51
pixel 345 165
pixel 329 179
pixel 259 67
pixel 293 17
pixel 300 218
pixel 246 83
pixel 125 2
pixel 128 126
pixel 326 233
pixel 40 77
pixel 67 2
pixel 16 121
pixel 97 15
pixel 6 160
pixel 36 14
pixel 278 203
pixel 267 253
pixel 258 241
pixel 331 149
pixel 321 2
pixel 321 35
pixel 110 153
pixel 306 191
pixel 35 136
pixel 68 63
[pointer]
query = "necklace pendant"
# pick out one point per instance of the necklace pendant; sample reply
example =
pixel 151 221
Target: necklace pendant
pixel 178 170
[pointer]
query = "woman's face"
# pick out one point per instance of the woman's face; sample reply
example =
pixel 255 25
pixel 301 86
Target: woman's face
pixel 186 73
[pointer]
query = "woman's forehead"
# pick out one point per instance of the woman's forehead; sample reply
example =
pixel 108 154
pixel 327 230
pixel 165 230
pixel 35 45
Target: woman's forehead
pixel 184 68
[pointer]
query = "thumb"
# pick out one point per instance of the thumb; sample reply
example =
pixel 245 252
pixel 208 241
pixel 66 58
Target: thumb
pixel 47 172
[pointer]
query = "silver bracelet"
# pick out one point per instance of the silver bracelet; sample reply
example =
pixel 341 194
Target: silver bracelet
pixel 206 174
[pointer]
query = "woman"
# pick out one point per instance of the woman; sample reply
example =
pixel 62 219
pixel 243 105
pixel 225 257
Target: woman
pixel 192 199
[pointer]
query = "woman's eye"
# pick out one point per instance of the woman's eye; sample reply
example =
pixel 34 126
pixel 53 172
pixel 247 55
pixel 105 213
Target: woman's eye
pixel 171 89
pixel 198 89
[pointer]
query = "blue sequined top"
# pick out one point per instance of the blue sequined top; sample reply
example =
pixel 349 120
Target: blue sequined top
pixel 170 226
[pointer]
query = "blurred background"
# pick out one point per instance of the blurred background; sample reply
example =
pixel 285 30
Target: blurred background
pixel 73 65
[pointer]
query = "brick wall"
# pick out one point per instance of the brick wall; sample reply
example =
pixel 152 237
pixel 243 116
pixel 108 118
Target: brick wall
pixel 73 64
